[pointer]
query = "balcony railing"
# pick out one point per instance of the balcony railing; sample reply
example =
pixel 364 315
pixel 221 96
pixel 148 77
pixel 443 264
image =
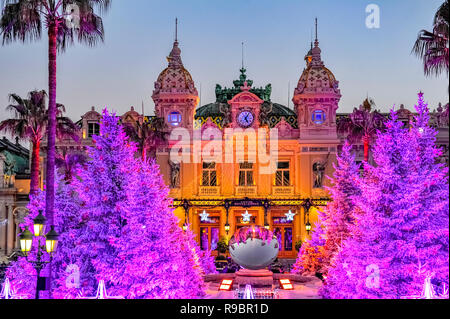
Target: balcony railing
pixel 246 191
pixel 283 190
pixel 209 191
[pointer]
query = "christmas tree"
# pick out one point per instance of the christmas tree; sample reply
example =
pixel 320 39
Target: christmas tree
pixel 404 200
pixel 21 272
pixel 338 216
pixel 310 257
pixel 155 259
pixel 129 237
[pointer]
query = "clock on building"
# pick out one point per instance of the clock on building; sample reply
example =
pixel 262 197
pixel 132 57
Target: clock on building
pixel 245 119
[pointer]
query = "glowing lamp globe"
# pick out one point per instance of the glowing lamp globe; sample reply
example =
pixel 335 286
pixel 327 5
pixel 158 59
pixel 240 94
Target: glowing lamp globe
pixel 253 247
pixel 26 241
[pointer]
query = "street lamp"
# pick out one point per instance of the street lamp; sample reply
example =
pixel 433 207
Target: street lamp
pixel 51 241
pixel 185 227
pixel 39 224
pixel 227 228
pixel 26 241
pixel 308 227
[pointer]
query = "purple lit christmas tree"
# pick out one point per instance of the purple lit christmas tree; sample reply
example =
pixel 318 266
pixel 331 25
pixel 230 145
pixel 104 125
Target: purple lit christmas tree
pixel 311 255
pixel 130 238
pixel 405 222
pixel 21 273
pixel 338 216
pixel 115 225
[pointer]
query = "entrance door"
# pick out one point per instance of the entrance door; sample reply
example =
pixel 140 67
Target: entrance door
pixel 209 234
pixel 284 232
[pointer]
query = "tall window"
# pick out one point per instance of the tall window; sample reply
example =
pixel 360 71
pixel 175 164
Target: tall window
pixel 246 174
pixel 93 129
pixel 209 174
pixel 283 175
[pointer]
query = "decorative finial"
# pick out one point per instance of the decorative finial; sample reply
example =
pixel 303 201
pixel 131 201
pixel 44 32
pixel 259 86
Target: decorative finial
pixel 176 29
pixel 317 38
pixel 242 55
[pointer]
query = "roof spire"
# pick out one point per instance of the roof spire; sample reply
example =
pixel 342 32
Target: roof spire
pixel 176 29
pixel 174 57
pixel 316 43
pixel 242 55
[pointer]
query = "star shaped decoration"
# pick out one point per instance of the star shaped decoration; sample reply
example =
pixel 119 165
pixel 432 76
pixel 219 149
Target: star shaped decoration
pixel 290 216
pixel 246 218
pixel 349 273
pixel 345 265
pixel 204 217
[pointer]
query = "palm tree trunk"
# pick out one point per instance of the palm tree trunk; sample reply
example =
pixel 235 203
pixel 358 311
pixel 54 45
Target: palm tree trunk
pixel 34 183
pixel 366 149
pixel 51 133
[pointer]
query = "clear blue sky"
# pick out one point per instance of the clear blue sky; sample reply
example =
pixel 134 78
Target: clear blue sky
pixel 139 35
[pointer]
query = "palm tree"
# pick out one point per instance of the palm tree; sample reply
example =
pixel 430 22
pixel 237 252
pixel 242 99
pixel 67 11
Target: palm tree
pixel 362 126
pixel 22 20
pixel 30 123
pixel 148 136
pixel 433 47
pixel 67 162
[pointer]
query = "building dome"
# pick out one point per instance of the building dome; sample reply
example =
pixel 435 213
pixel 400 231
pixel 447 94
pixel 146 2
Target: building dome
pixel 316 77
pixel 175 78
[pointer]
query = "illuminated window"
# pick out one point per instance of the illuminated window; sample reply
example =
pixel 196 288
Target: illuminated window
pixel 93 129
pixel 283 175
pixel 318 117
pixel 246 174
pixel 209 177
pixel 174 119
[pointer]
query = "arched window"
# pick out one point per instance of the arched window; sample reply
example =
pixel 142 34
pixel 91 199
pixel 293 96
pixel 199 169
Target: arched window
pixel 174 118
pixel 318 117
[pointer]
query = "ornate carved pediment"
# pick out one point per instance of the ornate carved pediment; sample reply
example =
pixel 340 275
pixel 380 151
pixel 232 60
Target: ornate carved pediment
pixel 246 97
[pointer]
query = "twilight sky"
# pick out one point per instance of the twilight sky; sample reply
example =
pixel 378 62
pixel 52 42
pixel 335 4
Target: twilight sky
pixel 139 35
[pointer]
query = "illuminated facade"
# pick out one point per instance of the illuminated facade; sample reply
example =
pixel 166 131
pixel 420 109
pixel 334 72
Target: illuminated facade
pixel 215 193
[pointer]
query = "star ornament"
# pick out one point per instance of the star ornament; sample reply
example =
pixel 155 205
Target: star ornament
pixel 290 216
pixel 204 217
pixel 246 218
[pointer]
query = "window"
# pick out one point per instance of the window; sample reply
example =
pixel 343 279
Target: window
pixel 209 177
pixel 318 117
pixel 246 174
pixel 93 129
pixel 283 175
pixel 174 118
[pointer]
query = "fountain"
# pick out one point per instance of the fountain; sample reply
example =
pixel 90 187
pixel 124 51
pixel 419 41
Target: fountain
pixel 254 248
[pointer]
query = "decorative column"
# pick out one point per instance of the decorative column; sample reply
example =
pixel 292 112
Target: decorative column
pixel 10 230
pixel 266 213
pixel 19 218
pixel 3 225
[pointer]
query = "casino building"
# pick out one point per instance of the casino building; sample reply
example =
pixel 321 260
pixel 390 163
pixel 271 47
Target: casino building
pixel 215 196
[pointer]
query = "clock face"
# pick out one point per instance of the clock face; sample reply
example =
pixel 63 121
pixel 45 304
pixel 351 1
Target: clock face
pixel 246 119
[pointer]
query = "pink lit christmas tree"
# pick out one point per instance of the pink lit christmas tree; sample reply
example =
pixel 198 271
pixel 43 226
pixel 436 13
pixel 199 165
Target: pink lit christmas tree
pixel 311 255
pixel 22 274
pixel 130 238
pixel 338 215
pixel 404 223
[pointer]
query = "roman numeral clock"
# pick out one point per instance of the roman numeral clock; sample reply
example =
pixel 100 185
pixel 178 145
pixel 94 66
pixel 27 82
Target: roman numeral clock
pixel 245 119
pixel 245 109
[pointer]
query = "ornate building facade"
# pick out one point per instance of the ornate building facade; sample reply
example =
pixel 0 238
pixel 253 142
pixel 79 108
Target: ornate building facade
pixel 214 194
pixel 14 189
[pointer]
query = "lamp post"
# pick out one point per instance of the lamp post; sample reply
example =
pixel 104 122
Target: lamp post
pixel 26 243
pixel 227 224
pixel 307 206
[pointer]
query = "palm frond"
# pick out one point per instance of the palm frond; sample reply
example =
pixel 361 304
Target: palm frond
pixel 21 20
